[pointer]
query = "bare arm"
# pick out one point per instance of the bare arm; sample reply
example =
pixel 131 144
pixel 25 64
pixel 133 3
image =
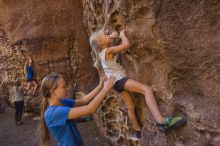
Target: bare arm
pixel 123 46
pixel 78 112
pixel 85 100
pixel 25 66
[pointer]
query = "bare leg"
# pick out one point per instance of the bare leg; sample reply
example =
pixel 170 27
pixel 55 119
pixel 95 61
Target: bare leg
pixel 134 86
pixel 131 110
pixel 35 86
pixel 29 84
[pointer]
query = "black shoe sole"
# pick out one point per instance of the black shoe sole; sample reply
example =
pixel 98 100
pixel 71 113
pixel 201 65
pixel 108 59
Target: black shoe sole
pixel 19 123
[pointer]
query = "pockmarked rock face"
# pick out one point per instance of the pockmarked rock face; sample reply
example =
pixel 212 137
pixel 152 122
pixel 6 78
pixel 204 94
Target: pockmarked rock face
pixel 175 48
pixel 53 34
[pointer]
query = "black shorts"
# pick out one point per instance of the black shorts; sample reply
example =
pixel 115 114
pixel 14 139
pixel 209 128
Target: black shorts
pixel 120 84
pixel 30 80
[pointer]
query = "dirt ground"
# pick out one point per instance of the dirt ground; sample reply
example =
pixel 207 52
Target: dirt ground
pixel 27 134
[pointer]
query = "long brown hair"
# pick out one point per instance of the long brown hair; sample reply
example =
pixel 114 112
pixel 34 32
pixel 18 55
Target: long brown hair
pixel 48 84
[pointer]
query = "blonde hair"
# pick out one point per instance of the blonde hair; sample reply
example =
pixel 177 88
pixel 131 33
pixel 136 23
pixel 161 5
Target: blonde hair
pixel 48 84
pixel 94 40
pixel 94 43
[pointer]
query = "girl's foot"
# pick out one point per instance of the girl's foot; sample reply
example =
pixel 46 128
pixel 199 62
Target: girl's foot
pixel 135 133
pixel 171 123
pixel 138 134
pixel 19 123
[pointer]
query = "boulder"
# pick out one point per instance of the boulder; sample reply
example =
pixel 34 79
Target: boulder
pixel 175 49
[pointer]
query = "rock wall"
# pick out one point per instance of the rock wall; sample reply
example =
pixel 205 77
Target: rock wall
pixel 53 34
pixel 175 49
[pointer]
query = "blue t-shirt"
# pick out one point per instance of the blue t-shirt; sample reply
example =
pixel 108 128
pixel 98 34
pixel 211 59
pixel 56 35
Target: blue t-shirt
pixel 64 131
pixel 30 72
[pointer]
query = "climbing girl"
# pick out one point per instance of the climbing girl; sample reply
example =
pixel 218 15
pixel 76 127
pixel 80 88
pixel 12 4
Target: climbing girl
pixel 101 43
pixel 29 72
pixel 18 101
pixel 58 112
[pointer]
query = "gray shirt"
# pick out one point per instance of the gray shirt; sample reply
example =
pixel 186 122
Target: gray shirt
pixel 19 93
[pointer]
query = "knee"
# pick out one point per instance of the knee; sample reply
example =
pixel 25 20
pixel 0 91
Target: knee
pixel 35 84
pixel 148 89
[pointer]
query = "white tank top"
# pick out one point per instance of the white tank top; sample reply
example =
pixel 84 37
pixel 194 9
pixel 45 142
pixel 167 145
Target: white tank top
pixel 111 67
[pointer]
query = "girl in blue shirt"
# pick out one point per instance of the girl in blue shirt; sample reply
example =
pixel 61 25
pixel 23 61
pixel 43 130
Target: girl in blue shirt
pixel 58 112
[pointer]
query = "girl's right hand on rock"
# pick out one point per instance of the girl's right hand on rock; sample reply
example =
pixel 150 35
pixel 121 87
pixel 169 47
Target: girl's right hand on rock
pixel 122 34
pixel 114 34
pixel 109 83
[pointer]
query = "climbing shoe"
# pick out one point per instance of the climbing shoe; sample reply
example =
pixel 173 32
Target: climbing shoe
pixel 171 123
pixel 138 134
pixel 135 133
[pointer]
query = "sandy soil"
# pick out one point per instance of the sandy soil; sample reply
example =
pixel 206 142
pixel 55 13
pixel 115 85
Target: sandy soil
pixel 27 134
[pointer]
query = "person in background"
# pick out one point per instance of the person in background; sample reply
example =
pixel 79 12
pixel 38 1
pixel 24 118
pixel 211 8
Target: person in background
pixel 29 72
pixel 18 101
